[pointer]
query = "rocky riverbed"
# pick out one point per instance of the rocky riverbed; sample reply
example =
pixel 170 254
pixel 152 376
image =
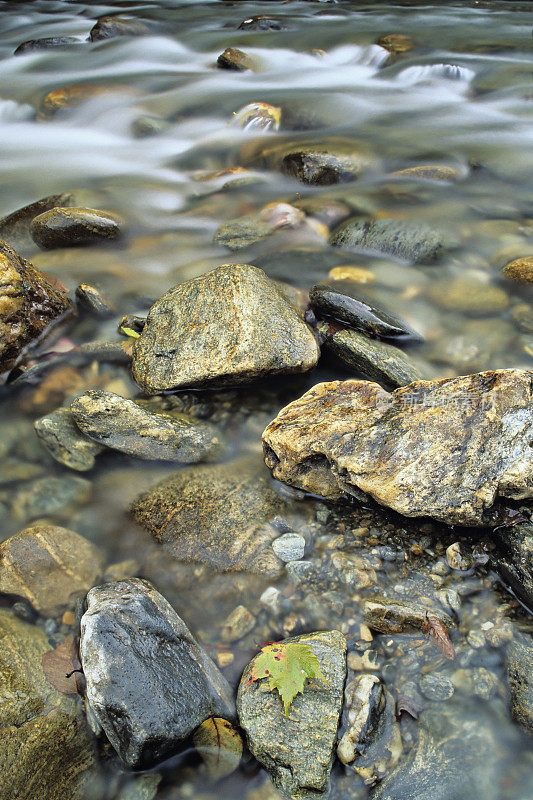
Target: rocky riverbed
pixel 266 441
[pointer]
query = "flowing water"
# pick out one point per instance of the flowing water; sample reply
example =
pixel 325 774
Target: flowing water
pixel 461 98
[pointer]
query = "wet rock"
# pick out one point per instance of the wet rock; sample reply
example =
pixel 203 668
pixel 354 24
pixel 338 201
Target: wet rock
pixel 149 683
pixel 396 43
pixel 237 624
pixel 514 562
pixel 33 45
pixel 92 299
pixel 429 173
pixel 522 315
pixel 248 330
pixel 69 227
pixel 352 274
pixel 371 743
pixel 391 615
pixel 520 672
pixel 216 515
pixel 298 750
pixel 436 687
pixel 123 425
pixel 262 23
pixel 344 301
pixel 50 567
pixel 409 241
pixel 132 322
pixel 455 557
pixel 258 116
pixel 469 295
pixel 245 231
pixel 12 471
pixel 149 125
pixel 59 100
pixel 336 160
pixel 520 270
pixel 111 27
pixel 236 60
pixel 289 546
pixel 470 436
pixel 456 756
pixel 61 437
pixel 46 750
pixel 376 360
pixel 50 496
pixel 29 304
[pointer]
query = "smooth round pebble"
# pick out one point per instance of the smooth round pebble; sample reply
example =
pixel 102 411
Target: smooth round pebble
pixel 289 547
pixel 436 687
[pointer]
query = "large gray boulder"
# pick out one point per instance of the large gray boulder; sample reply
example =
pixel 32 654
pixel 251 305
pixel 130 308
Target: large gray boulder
pixel 445 448
pixel 230 326
pixel 149 683
pixel 298 749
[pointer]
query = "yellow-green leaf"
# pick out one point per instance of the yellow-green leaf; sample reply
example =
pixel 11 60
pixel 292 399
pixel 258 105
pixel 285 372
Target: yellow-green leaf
pixel 287 666
pixel 220 746
pixel 130 332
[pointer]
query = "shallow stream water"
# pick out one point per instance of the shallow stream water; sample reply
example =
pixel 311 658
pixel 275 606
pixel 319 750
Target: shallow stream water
pixel 461 98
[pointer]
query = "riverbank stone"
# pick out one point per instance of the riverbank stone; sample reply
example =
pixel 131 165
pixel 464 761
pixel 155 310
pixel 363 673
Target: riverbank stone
pixel 46 749
pixel 416 242
pixel 470 436
pixel 74 226
pixel 29 304
pixel 123 425
pixel 149 683
pixel 50 567
pixel 219 515
pixel 249 330
pixel 298 750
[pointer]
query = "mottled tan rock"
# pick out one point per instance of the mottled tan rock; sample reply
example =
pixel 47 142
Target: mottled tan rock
pixel 217 515
pixel 230 326
pixel 29 303
pixel 70 96
pixel 49 567
pixel 236 60
pixel 520 270
pixel 430 173
pixel 354 274
pixel 396 43
pixel 46 750
pixel 445 448
pixel 74 226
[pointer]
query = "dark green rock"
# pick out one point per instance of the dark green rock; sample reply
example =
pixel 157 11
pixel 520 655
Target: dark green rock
pixel 59 434
pixel 149 683
pixel 520 674
pixel 123 425
pixel 514 562
pixel 298 749
pixel 344 301
pixel 46 749
pixel 409 241
pixel 111 27
pixel 69 227
pixel 376 360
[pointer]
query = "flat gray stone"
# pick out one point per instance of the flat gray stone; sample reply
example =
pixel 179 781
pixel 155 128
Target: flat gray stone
pixel 289 546
pixel 149 683
pixel 123 425
pixel 230 326
pixel 64 441
pixel 298 750
pixel 409 241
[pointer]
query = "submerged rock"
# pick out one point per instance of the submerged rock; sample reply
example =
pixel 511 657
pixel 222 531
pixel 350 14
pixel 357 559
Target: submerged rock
pixel 69 227
pixel 469 436
pixel 258 116
pixel 409 241
pixel 149 683
pixel 50 496
pixel 429 173
pixel 396 43
pixel 59 434
pixel 376 360
pixel 520 270
pixel 46 750
pixel 29 304
pixel 217 515
pixel 123 425
pixel 47 43
pixel 520 674
pixel 469 295
pixel 298 749
pixel 50 567
pixel 456 756
pixel 393 615
pixel 111 27
pixel 344 301
pixel 514 562
pixel 371 743
pixel 248 330
pixel 70 96
pixel 236 60
pixel 251 228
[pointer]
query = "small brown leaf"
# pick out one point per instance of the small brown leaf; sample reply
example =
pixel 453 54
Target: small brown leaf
pixel 407 704
pixel 439 636
pixel 220 746
pixel 62 667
